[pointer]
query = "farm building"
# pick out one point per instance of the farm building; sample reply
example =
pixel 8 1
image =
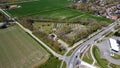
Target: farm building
pixel 13 6
pixel 114 45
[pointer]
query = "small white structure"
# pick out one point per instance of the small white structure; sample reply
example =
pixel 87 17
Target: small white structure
pixel 114 45
pixel 1 23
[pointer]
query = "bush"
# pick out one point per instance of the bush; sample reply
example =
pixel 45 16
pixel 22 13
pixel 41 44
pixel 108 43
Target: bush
pixel 117 33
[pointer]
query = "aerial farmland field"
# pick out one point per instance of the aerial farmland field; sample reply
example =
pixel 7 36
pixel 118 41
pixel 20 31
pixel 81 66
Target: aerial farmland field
pixel 19 50
pixel 50 9
pixel 38 7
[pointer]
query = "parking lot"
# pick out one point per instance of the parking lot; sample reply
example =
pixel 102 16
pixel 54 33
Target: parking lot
pixel 106 52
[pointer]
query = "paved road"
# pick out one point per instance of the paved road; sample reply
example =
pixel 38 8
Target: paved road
pixel 30 33
pixel 73 60
pixel 78 43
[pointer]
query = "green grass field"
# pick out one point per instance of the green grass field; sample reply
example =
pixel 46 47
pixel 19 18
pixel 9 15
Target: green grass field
pixel 19 50
pixel 39 7
pixel 53 62
pixel 101 62
pixel 87 57
pixel 51 9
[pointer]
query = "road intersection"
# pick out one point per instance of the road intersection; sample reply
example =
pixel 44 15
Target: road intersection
pixel 73 60
pixel 78 51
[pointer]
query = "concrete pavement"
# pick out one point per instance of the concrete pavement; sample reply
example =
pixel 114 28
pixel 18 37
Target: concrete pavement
pixel 105 52
pixel 88 65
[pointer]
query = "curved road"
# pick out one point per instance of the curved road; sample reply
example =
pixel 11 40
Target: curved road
pixel 73 59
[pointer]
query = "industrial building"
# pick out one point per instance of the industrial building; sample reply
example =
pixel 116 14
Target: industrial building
pixel 114 45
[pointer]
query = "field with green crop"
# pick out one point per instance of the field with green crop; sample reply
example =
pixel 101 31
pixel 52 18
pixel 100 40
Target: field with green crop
pixel 19 50
pixel 39 7
pixel 51 9
pixel 53 62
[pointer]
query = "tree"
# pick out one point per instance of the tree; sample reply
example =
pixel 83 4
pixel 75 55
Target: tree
pixel 117 33
pixel 30 23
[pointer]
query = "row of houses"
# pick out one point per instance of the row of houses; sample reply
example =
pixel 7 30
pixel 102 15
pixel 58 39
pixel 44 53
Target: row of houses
pixel 112 12
pixel 109 9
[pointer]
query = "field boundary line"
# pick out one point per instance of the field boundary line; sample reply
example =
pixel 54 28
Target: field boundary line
pixel 36 38
pixel 42 11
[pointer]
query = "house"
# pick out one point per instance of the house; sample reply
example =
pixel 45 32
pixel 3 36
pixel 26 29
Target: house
pixel 118 6
pixel 75 0
pixel 114 17
pixel 117 12
pixel 13 6
pixel 84 1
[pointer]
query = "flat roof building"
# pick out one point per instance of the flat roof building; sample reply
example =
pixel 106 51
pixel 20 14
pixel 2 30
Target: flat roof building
pixel 114 45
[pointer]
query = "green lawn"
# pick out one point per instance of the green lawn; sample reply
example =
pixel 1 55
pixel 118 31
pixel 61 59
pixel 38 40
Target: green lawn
pixel 114 66
pixel 53 62
pixel 19 50
pixel 70 53
pixel 64 65
pixel 51 9
pixel 101 62
pixel 87 57
pixel 116 56
pixel 110 34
